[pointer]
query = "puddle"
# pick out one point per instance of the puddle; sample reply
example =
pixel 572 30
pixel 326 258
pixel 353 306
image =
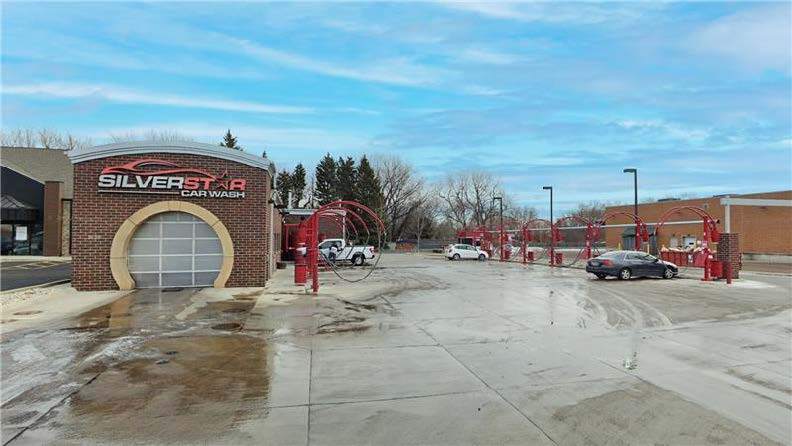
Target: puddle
pixel 27 313
pixel 183 398
pixel 235 310
pixel 228 326
pixel 343 329
pixel 248 296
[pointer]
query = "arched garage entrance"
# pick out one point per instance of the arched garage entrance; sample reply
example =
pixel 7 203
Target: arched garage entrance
pixel 171 244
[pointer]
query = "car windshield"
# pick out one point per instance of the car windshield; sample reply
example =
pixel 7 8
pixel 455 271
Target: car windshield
pixel 610 255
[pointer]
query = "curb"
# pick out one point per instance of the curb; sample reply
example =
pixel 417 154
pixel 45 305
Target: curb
pixel 41 285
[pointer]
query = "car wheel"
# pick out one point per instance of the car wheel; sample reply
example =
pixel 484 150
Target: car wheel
pixel 601 276
pixel 457 257
pixel 357 260
pixel 482 257
pixel 625 274
pixel 668 273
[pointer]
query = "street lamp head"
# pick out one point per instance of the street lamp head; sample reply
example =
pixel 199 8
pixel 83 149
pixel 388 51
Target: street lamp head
pixel 630 170
pixel 497 198
pixel 547 187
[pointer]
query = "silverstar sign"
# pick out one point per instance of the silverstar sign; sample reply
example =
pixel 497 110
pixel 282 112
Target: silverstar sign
pixel 153 176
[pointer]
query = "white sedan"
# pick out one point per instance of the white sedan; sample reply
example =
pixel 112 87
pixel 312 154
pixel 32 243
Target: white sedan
pixel 461 251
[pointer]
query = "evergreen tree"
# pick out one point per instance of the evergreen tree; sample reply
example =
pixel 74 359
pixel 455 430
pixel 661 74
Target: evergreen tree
pixel 283 185
pixel 230 141
pixel 298 184
pixel 368 190
pixel 326 180
pixel 347 178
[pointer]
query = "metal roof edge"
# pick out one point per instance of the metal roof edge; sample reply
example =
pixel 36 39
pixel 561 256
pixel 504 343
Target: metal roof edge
pixel 183 147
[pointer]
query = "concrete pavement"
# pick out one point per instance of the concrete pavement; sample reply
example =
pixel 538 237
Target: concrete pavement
pixel 426 352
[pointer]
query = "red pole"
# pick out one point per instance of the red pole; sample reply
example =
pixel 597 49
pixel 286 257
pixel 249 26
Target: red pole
pixel 706 252
pixel 313 256
pixel 552 244
pixel 588 241
pixel 300 266
pixel 524 245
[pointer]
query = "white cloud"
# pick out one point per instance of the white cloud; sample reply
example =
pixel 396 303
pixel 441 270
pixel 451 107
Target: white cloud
pixel 758 38
pixel 251 137
pixel 485 56
pixel 129 96
pixel 672 130
pixel 557 12
pixel 481 90
pixel 398 71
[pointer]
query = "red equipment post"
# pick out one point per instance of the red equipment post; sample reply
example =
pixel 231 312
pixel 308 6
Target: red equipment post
pixel 555 236
pixel 710 235
pixel 589 236
pixel 342 213
pixel 300 265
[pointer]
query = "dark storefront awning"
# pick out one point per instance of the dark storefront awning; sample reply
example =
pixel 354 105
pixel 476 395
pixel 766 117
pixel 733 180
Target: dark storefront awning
pixel 14 210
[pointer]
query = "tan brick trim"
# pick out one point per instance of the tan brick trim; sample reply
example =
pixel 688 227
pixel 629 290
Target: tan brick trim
pixel 120 246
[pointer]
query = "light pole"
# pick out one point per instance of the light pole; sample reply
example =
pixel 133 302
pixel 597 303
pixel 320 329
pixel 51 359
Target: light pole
pixel 634 171
pixel 552 225
pixel 500 233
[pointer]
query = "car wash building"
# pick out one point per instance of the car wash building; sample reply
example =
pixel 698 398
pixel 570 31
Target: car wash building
pixel 160 215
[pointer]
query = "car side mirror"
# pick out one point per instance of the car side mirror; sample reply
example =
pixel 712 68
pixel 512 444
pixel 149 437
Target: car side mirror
pixel 656 260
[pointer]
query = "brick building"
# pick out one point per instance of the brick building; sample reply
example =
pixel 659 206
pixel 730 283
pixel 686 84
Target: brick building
pixel 36 186
pixel 171 215
pixel 764 231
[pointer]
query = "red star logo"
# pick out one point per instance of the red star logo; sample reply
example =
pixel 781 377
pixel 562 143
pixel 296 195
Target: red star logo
pixel 222 180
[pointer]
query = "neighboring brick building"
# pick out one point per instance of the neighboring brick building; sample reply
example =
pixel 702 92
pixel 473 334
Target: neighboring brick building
pixel 36 201
pixel 764 231
pixel 171 215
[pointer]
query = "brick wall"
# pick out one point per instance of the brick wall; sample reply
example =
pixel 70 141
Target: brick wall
pixel 66 228
pixel 53 217
pixel 763 230
pixel 729 251
pixel 97 216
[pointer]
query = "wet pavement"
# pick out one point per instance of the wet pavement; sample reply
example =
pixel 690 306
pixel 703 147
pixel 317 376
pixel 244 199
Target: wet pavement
pixel 21 274
pixel 426 352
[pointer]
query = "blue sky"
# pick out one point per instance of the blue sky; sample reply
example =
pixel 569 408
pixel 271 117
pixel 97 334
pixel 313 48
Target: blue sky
pixel 697 95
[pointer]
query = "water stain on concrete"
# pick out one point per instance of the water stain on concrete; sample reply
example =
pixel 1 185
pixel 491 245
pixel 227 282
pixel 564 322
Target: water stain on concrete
pixel 213 384
pixel 646 414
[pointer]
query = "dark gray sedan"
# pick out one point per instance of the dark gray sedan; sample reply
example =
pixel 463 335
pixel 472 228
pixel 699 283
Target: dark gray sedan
pixel 628 264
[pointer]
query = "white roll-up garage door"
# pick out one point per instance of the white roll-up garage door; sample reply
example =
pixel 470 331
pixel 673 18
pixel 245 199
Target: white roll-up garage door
pixel 174 249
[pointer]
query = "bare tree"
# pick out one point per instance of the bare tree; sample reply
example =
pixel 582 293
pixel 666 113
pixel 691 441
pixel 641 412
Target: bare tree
pixel 44 138
pixel 451 192
pixel 48 139
pixel 468 197
pixel 520 213
pixel 158 135
pixel 403 192
pixel 423 220
pixel 19 138
pixel 591 211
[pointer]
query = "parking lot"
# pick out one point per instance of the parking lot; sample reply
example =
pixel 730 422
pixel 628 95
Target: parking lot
pixel 426 351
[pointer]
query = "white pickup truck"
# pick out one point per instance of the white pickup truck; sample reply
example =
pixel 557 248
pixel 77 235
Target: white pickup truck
pixel 337 250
